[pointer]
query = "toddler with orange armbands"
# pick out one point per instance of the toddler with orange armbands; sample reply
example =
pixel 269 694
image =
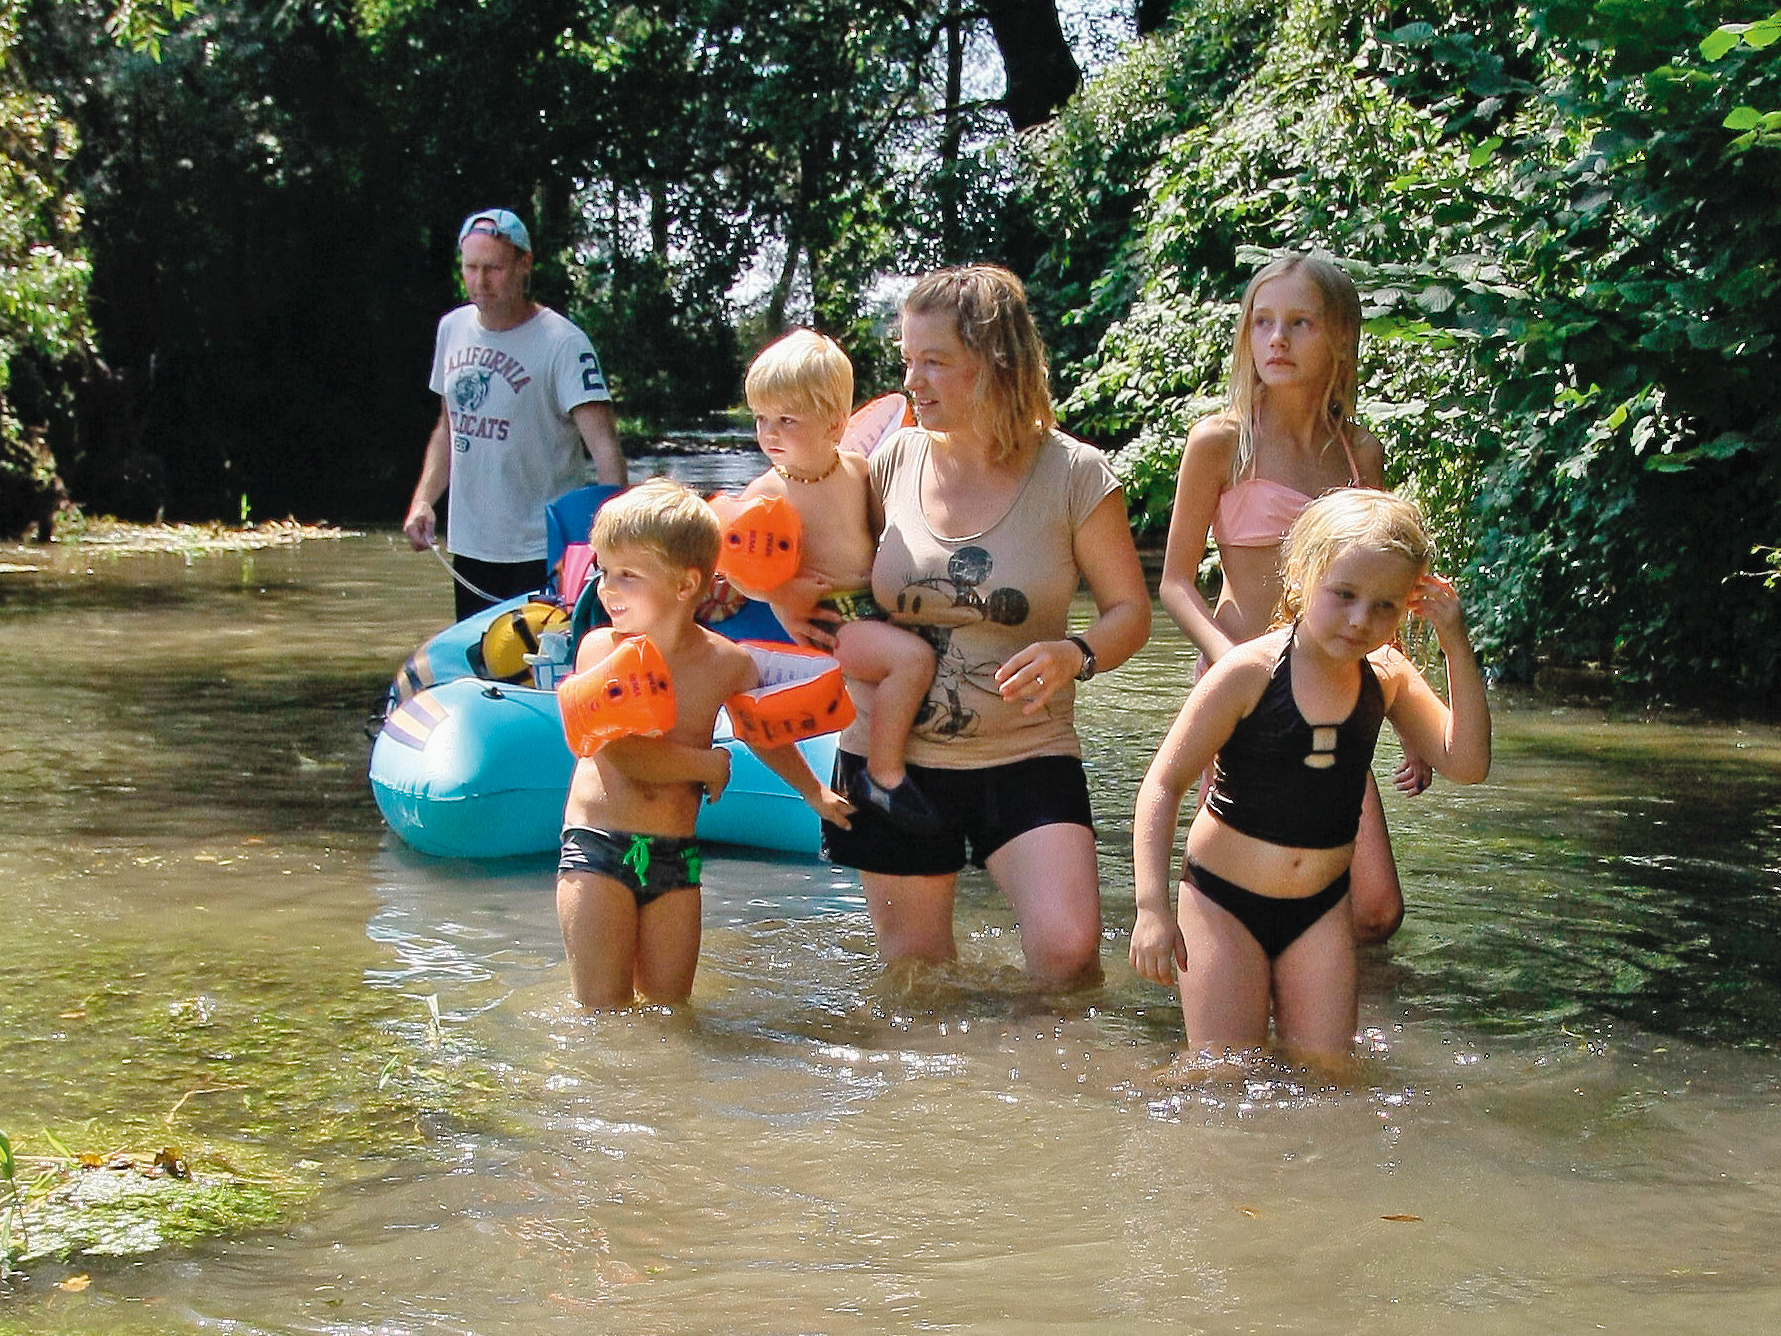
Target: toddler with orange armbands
pixel 640 712
pixel 803 536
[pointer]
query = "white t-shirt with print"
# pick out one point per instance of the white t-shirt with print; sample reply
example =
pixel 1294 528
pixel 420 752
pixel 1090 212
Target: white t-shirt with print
pixel 514 447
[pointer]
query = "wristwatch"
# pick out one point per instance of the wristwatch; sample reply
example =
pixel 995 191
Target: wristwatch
pixel 1088 657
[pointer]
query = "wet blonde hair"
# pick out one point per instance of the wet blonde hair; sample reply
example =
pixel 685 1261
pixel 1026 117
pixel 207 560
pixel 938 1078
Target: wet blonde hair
pixel 1337 523
pixel 988 306
pixel 1341 330
pixel 664 518
pixel 804 372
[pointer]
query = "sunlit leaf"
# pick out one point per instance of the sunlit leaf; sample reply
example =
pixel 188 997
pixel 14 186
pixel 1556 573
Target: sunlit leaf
pixel 1760 36
pixel 1721 40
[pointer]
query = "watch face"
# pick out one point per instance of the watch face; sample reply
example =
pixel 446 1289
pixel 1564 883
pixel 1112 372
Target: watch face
pixel 1088 659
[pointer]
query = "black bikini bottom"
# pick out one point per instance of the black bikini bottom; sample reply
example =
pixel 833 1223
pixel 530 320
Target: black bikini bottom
pixel 1275 921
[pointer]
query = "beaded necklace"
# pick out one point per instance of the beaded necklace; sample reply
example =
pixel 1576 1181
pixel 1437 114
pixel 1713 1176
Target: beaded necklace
pixel 789 476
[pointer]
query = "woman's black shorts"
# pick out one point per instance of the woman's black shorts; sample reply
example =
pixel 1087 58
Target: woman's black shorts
pixel 983 810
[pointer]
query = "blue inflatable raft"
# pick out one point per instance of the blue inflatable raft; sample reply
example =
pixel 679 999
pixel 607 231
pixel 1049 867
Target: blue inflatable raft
pixel 464 767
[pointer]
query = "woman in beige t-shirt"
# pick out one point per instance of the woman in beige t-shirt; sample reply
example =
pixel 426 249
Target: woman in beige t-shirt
pixel 990 518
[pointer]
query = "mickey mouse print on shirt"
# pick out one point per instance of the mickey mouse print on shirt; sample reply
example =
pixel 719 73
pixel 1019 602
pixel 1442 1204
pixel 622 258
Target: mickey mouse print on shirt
pixel 937 607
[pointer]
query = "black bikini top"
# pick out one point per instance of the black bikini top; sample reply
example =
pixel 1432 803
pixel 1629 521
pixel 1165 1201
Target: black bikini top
pixel 1288 782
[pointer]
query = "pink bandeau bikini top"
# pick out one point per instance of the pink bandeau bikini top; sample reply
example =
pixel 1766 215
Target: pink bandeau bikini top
pixel 1257 512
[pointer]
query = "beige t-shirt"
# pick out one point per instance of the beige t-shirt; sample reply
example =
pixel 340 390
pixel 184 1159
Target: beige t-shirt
pixel 981 598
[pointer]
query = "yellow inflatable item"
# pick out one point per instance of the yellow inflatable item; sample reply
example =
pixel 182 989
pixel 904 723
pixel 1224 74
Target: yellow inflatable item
pixel 627 692
pixel 500 656
pixel 763 540
pixel 801 694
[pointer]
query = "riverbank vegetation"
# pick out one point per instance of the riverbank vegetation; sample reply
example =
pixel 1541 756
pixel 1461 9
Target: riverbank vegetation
pixel 1565 222
pixel 263 1080
pixel 226 230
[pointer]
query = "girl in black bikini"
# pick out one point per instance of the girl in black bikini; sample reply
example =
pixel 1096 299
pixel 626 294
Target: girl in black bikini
pixel 1265 923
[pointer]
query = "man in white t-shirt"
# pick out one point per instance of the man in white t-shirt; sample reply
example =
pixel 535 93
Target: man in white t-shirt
pixel 523 406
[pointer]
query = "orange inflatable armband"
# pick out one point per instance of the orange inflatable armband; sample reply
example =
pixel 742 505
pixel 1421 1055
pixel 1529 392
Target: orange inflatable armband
pixel 763 540
pixel 801 694
pixel 627 692
pixel 872 423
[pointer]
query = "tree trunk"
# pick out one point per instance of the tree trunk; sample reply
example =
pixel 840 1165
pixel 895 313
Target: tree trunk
pixel 1042 74
pixel 1153 15
pixel 658 220
pixel 782 285
pixel 951 139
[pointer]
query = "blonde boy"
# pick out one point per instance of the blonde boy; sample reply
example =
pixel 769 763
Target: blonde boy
pixel 628 880
pixel 800 389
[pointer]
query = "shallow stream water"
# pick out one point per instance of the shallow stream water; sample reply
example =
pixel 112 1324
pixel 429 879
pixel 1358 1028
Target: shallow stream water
pixel 1564 1120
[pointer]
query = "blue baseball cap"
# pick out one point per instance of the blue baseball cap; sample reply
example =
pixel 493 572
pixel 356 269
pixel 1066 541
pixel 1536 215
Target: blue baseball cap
pixel 497 223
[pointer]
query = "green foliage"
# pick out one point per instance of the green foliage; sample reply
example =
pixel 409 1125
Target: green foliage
pixel 272 207
pixel 664 150
pixel 670 355
pixel 141 25
pixel 1568 266
pixel 1262 170
pixel 1564 218
pixel 44 275
pixel 1637 470
pixel 43 272
pixel 1760 128
pixel 9 1215
pixel 252 244
pixel 1085 174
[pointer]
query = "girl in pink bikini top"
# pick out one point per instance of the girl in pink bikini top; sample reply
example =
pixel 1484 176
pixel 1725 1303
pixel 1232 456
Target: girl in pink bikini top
pixel 1257 512
pixel 1294 380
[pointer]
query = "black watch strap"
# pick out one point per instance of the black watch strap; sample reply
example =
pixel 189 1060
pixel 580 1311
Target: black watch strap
pixel 1088 657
